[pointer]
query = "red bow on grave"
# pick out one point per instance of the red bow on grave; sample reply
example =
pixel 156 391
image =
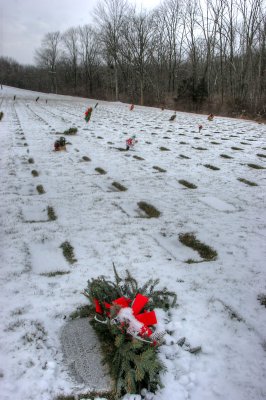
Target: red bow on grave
pixel 147 318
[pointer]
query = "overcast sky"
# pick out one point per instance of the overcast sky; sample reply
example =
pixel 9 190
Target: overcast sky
pixel 23 23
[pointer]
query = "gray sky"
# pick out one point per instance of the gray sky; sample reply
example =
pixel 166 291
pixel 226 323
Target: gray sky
pixel 23 23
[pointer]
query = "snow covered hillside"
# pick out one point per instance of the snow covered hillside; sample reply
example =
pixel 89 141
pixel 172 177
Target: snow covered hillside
pixel 221 303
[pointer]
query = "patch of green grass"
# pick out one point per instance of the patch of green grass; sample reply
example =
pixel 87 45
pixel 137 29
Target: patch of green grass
pixel 187 184
pixel 215 143
pixel 182 156
pixel 159 169
pixel 138 158
pixel 70 131
pixel 246 144
pixel 31 160
pixel 54 273
pixel 236 148
pixel 85 158
pixel 40 189
pixel 110 143
pixel 205 251
pixel 99 137
pixel 51 214
pixel 255 166
pixel 164 148
pixel 148 142
pixel 262 299
pixel 225 156
pixel 118 186
pixel 182 142
pixel 247 182
pixel 197 138
pixel 166 137
pixel 211 167
pixel 261 155
pixel 100 170
pixel 34 173
pixel 199 148
pixel 150 210
pixel 68 252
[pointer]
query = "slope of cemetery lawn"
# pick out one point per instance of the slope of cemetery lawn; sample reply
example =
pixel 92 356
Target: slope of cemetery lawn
pixel 54 239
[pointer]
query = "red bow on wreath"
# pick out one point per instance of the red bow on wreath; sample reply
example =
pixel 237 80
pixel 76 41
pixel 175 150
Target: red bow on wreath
pixel 138 324
pixel 89 111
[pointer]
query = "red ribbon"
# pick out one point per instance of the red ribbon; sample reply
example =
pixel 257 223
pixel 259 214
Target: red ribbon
pixel 146 318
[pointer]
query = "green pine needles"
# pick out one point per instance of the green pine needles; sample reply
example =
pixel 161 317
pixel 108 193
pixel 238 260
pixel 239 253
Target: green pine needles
pixel 134 364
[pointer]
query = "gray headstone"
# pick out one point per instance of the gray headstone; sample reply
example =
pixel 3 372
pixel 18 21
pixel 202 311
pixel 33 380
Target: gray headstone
pixel 83 355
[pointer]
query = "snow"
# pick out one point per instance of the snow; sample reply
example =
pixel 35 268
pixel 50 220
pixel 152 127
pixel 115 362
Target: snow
pixel 217 204
pixel 217 308
pixel 126 315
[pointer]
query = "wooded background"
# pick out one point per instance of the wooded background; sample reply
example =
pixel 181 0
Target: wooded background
pixel 194 55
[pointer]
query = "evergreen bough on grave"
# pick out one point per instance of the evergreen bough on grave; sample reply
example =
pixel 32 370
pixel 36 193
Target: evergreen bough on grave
pixel 133 362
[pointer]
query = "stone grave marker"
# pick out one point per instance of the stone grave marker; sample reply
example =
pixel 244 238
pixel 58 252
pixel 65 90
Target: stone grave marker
pixel 82 353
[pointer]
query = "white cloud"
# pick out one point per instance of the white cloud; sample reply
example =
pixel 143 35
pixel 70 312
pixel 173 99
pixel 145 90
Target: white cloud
pixel 25 22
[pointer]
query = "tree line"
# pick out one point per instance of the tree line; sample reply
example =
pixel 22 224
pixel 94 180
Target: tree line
pixel 194 55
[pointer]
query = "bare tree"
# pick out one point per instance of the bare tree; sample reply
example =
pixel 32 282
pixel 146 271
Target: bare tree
pixel 191 54
pixel 89 50
pixel 110 16
pixel 71 50
pixel 48 55
pixel 137 45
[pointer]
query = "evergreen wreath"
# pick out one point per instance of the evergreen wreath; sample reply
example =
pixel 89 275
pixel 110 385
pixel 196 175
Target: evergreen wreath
pixel 124 323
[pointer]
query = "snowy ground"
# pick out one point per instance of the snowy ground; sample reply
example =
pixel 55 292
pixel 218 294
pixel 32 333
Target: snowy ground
pixel 218 306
